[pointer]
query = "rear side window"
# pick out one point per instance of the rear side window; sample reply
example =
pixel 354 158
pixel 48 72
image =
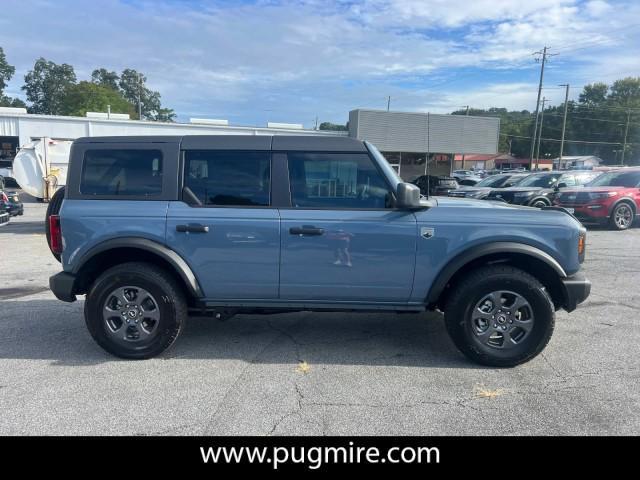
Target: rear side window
pixel 122 172
pixel 236 178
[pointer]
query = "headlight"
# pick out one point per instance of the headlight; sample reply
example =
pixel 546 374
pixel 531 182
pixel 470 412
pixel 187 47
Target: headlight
pixel 601 195
pixel 475 194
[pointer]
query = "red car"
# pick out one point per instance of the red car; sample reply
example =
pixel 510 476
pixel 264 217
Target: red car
pixel 613 198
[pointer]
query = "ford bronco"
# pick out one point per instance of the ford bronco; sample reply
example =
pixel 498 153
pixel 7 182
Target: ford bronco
pixel 152 229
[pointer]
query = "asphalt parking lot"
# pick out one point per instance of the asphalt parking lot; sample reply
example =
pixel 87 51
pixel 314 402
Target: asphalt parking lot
pixel 314 374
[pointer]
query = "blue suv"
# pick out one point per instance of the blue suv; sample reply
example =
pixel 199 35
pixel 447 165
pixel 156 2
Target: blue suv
pixel 153 229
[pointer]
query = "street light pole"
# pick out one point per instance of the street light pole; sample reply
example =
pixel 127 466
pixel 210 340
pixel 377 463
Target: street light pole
pixel 564 122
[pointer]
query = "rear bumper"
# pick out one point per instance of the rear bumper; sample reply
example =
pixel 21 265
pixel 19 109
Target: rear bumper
pixel 62 285
pixel 576 290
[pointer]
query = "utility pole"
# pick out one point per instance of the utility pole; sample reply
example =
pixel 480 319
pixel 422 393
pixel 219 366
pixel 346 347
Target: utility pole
pixel 544 100
pixel 388 102
pixel 626 132
pixel 564 122
pixel 544 54
pixel 316 127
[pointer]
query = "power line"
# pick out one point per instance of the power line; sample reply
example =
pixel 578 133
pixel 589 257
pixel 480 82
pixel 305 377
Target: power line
pixel 570 141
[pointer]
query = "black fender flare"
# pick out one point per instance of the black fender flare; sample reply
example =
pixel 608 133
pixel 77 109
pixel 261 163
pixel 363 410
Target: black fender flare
pixel 473 253
pixel 176 261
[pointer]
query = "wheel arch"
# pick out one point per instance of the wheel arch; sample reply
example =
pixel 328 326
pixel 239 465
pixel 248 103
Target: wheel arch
pixel 121 250
pixel 526 257
pixel 627 200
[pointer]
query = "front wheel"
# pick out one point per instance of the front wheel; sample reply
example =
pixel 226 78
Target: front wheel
pixel 135 310
pixel 621 217
pixel 500 316
pixel 540 203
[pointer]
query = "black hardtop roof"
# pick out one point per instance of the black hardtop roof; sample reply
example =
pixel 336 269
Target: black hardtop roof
pixel 243 142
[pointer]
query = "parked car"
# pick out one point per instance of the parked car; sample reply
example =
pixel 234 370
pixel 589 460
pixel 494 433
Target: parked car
pixel 466 177
pixel 540 189
pixel 483 188
pixel 151 228
pixel 4 216
pixel 430 185
pixel 11 203
pixel 613 198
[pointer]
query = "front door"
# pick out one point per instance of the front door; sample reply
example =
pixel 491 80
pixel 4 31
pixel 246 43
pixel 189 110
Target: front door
pixel 225 227
pixel 341 239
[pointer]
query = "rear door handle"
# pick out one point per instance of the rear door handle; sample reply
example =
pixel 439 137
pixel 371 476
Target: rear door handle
pixel 306 230
pixel 192 228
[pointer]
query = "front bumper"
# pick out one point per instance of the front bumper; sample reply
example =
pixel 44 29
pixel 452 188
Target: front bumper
pixel 576 290
pixel 62 285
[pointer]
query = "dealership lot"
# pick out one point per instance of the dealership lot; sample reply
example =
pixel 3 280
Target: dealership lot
pixel 308 373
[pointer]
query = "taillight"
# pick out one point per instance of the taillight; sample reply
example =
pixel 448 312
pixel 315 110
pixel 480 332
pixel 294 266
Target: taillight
pixel 55 234
pixel 4 197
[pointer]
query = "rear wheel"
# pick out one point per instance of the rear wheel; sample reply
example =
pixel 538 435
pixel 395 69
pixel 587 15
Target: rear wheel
pixel 621 217
pixel 135 310
pixel 53 209
pixel 500 316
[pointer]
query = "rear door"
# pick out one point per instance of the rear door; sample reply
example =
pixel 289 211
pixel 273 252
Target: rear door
pixel 224 226
pixel 342 241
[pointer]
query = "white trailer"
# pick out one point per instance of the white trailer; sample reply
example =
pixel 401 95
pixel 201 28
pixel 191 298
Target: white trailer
pixel 40 167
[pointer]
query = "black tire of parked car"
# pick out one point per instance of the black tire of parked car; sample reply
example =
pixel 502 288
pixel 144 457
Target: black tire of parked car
pixel 540 202
pixel 616 221
pixel 161 285
pixel 466 294
pixel 53 209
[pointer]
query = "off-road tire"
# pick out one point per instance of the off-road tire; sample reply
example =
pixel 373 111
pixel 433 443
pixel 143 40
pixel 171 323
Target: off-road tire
pixel 159 283
pixel 469 291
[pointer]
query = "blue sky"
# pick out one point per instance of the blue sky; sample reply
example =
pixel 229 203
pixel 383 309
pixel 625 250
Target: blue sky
pixel 290 61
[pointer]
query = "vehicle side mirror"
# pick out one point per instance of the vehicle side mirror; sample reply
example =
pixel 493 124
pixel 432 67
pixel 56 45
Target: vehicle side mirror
pixel 561 185
pixel 407 196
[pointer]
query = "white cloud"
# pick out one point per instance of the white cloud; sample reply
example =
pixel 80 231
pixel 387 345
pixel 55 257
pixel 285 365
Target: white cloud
pixel 293 60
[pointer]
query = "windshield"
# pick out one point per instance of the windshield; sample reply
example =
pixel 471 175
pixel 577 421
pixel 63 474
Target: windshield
pixel 539 180
pixel 494 181
pixel 617 179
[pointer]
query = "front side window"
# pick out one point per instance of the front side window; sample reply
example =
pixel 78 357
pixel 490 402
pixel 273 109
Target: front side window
pixel 122 172
pixel 231 178
pixel 336 180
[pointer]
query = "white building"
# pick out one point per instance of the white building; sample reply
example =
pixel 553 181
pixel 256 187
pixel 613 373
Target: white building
pixel 406 138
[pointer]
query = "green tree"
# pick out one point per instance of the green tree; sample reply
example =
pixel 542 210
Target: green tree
pixel 47 86
pixel 594 94
pixel 134 90
pixel 105 78
pixel 90 97
pixel 6 73
pixel 333 126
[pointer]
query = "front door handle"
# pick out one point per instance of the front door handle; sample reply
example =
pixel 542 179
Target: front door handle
pixel 192 228
pixel 307 230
